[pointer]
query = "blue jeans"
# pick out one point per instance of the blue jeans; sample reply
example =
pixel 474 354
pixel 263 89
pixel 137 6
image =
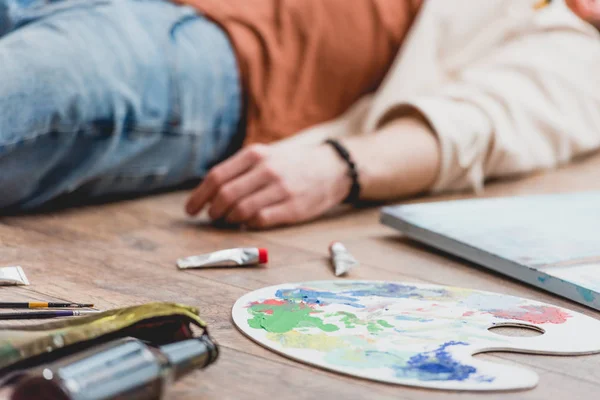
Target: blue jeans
pixel 104 97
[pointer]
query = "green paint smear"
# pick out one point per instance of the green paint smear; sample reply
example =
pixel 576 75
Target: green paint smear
pixel 384 323
pixel 373 327
pixel 350 321
pixel 285 318
pixel 282 318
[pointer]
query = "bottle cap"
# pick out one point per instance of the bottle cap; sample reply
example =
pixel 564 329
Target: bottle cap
pixel 263 256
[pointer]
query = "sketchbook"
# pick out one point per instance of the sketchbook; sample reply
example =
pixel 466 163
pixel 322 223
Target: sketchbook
pixel 549 241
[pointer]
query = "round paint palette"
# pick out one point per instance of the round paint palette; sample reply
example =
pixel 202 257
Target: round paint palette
pixel 410 334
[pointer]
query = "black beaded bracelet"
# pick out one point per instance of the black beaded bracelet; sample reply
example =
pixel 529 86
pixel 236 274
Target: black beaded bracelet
pixel 354 195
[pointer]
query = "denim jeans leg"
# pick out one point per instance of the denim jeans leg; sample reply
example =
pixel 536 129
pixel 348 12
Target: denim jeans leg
pixel 115 96
pixel 13 11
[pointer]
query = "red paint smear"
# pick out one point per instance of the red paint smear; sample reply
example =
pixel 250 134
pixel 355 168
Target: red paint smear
pixel 468 313
pixel 274 302
pixel 311 306
pixel 534 314
pixel 269 302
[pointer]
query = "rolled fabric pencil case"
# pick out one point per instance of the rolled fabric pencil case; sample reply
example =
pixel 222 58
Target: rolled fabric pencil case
pixel 157 324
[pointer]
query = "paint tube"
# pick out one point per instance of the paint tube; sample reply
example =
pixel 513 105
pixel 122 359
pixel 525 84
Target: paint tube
pixel 13 276
pixel 341 258
pixel 226 258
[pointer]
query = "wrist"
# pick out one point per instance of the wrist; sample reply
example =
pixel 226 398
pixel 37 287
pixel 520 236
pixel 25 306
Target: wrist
pixel 348 180
pixel 339 183
pixel 400 159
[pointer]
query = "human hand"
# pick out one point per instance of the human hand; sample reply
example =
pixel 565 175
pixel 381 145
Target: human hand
pixel 588 10
pixel 264 186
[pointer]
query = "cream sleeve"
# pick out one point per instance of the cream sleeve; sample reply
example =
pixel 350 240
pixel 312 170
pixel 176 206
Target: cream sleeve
pixel 532 103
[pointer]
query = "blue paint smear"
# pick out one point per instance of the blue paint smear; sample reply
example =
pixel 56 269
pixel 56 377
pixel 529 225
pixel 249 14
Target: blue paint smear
pixel 543 279
pixel 397 291
pixel 352 297
pixel 316 297
pixel 437 365
pixel 412 319
pixel 486 379
pixel 586 294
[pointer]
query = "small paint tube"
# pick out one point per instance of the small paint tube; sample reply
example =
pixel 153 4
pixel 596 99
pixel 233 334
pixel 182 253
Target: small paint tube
pixel 226 258
pixel 10 276
pixel 341 258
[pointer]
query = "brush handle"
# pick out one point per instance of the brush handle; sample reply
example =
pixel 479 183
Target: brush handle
pixel 40 304
pixel 43 314
pixel 69 305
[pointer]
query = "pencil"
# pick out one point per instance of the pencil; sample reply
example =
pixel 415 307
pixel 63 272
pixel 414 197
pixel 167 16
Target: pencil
pixel 45 314
pixel 40 304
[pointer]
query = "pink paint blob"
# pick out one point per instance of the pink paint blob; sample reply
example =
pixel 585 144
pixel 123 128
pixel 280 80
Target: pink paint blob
pixel 468 313
pixel 534 314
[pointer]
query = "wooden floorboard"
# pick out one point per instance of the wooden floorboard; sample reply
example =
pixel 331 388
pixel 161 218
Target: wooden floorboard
pixel 124 253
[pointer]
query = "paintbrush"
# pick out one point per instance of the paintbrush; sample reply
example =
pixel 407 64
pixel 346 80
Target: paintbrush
pixel 41 304
pixel 45 314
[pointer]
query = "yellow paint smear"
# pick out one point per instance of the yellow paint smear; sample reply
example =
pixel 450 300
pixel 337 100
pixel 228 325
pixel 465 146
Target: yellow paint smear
pixel 319 341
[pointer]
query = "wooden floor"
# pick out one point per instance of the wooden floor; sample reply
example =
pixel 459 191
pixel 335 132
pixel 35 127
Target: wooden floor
pixel 124 253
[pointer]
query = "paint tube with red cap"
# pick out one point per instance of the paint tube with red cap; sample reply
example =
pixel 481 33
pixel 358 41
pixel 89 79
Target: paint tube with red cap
pixel 341 258
pixel 226 258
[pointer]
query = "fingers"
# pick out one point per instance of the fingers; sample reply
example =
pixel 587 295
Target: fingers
pixel 237 189
pixel 250 206
pixel 221 174
pixel 283 213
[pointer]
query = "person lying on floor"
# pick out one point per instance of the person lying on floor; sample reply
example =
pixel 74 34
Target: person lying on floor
pixel 105 97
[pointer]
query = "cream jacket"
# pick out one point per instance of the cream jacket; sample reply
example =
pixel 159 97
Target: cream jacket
pixel 507 89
